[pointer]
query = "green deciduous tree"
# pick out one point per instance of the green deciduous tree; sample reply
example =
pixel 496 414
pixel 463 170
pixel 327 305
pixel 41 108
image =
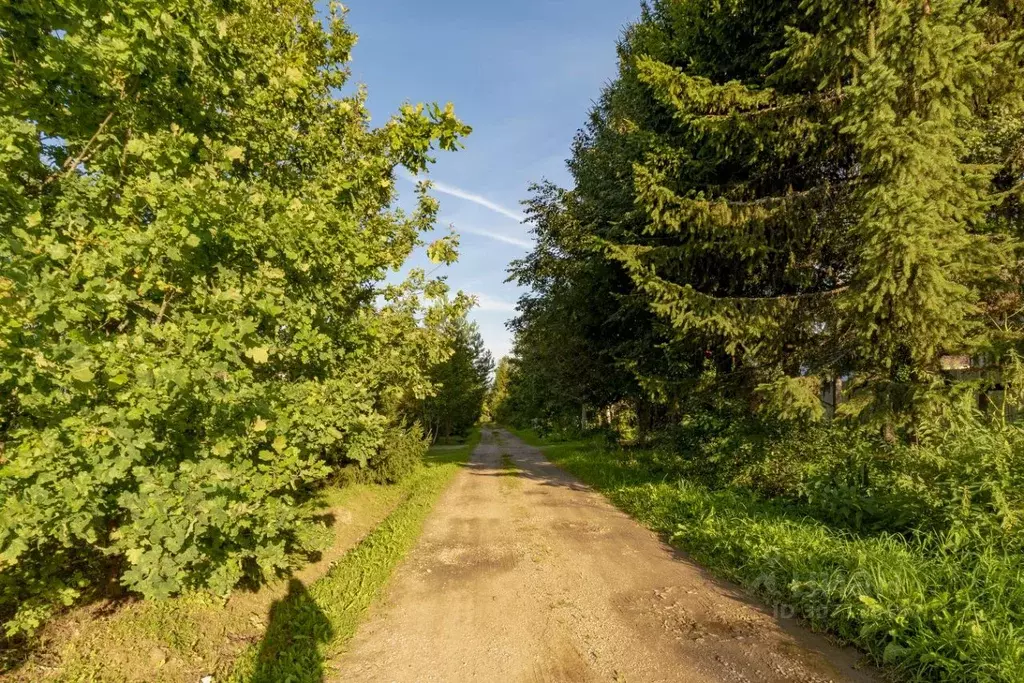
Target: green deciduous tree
pixel 194 229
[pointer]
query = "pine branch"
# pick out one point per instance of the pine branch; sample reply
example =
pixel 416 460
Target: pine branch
pixel 686 93
pixel 668 212
pixel 795 103
pixel 645 276
pixel 782 297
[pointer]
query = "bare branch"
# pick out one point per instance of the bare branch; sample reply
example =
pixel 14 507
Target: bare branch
pixel 168 295
pixel 83 155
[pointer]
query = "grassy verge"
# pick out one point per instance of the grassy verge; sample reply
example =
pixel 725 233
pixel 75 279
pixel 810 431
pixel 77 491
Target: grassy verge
pixel 186 638
pixel 312 625
pixel 928 611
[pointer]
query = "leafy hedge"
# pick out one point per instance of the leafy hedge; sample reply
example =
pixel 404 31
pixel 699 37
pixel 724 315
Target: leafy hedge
pixel 194 227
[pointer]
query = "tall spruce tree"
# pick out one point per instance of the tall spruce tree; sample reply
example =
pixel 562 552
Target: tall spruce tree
pixel 567 324
pixel 817 202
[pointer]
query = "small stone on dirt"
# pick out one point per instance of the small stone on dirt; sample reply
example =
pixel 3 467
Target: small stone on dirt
pixel 157 657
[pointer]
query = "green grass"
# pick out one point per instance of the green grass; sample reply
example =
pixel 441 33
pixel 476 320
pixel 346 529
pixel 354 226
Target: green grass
pixel 928 610
pixel 312 625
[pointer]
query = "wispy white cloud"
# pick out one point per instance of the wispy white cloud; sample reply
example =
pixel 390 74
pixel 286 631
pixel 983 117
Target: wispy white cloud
pixel 507 239
pixel 489 304
pixel 479 200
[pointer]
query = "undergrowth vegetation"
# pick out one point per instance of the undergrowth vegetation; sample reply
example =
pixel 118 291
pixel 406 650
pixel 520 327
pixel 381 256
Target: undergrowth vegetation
pixel 926 579
pixel 969 480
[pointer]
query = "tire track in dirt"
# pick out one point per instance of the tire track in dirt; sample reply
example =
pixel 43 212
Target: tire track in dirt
pixel 528 575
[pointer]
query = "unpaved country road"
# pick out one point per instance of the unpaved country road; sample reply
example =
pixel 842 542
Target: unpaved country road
pixel 531 576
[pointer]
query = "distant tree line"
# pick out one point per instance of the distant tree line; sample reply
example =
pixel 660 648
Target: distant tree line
pixel 462 384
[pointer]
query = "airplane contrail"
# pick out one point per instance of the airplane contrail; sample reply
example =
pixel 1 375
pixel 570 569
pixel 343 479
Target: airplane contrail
pixel 525 244
pixel 479 200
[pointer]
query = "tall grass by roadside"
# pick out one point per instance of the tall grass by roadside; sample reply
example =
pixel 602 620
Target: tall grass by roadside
pixel 930 607
pixel 313 624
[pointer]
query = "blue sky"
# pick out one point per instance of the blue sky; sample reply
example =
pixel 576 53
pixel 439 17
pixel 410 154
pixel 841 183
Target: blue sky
pixel 524 76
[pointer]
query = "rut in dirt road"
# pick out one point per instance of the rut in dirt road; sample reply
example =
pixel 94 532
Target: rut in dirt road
pixel 524 574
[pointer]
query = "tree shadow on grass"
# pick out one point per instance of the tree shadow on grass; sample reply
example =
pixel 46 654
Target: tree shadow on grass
pixel 292 647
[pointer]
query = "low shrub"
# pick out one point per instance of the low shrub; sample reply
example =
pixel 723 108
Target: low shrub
pixel 966 478
pixel 402 452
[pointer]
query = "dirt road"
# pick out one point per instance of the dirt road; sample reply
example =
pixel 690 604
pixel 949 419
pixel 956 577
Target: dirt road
pixel 524 574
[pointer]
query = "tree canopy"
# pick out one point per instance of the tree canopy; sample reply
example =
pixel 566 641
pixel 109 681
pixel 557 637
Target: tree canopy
pixel 194 327
pixel 787 277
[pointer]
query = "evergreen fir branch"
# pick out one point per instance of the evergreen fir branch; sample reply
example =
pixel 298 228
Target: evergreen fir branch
pixel 631 255
pixel 690 95
pixel 672 214
pixel 740 321
pixel 698 99
pixel 788 105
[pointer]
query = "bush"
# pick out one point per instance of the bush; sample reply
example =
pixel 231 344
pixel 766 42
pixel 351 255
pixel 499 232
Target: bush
pixel 970 477
pixel 401 453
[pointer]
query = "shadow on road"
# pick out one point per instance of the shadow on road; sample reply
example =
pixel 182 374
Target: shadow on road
pixel 530 463
pixel 291 648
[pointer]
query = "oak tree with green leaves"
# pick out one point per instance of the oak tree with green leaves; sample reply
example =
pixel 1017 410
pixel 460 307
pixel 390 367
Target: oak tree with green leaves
pixel 196 224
